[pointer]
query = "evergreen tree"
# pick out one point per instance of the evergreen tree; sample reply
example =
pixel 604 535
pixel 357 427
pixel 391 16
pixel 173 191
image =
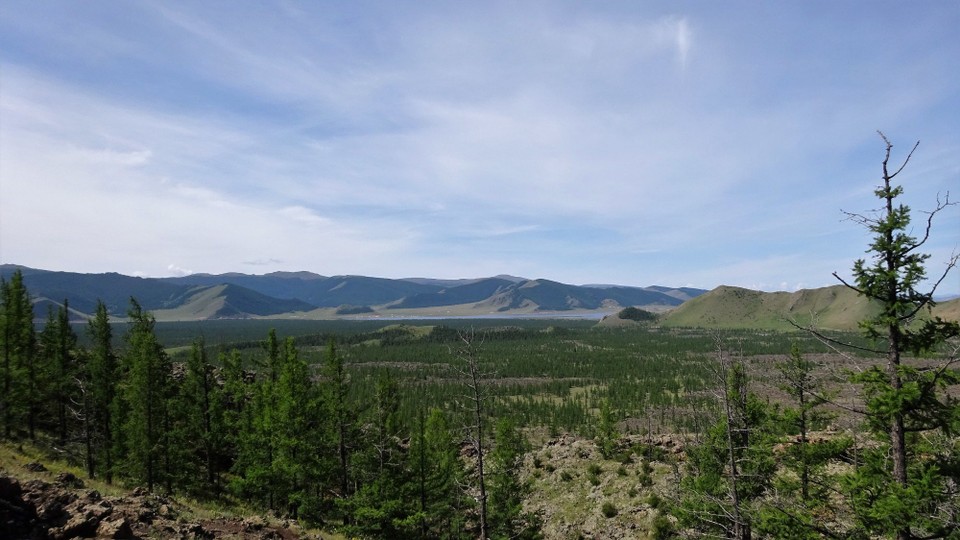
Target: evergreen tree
pixel 58 374
pixel 296 434
pixel 379 507
pixel 607 435
pixel 236 398
pixel 802 500
pixel 18 404
pixel 904 487
pixel 438 472
pixel 732 468
pixel 255 446
pixel 341 421
pixel 101 379
pixel 147 392
pixel 201 415
pixel 507 518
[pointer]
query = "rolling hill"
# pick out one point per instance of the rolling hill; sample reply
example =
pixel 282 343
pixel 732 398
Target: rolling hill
pixel 833 308
pixel 230 302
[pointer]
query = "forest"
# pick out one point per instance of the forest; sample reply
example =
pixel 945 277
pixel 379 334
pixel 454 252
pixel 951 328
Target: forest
pixel 432 430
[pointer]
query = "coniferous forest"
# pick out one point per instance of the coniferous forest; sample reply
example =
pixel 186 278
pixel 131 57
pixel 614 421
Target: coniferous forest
pixel 444 429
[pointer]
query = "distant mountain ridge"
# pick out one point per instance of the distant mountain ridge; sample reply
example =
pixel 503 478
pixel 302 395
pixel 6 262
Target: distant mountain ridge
pixel 309 295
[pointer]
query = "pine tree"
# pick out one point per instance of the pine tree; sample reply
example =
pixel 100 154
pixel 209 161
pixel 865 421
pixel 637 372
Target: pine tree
pixel 507 518
pixel 801 501
pixel 438 474
pixel 379 507
pixel 102 374
pixel 18 403
pixel 607 435
pixel 733 467
pixel 341 421
pixel 201 416
pixel 59 371
pixel 147 393
pixel 296 434
pixel 905 487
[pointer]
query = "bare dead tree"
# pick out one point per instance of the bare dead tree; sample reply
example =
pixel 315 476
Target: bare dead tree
pixel 475 401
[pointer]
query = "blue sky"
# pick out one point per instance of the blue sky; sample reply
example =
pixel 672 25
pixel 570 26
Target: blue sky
pixel 637 143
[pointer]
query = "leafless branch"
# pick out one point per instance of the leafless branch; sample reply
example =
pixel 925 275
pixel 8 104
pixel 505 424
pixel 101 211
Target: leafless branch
pixel 886 158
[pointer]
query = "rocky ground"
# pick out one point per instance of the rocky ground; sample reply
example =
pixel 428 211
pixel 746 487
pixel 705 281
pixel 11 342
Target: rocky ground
pixel 579 494
pixel 62 507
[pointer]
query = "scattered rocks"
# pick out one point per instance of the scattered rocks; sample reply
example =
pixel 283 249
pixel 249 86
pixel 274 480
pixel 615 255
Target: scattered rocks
pixel 35 467
pixel 62 510
pixel 118 528
pixel 69 480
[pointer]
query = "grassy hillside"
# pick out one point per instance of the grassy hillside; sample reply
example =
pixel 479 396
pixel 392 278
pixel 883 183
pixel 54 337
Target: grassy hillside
pixel 837 308
pixel 831 308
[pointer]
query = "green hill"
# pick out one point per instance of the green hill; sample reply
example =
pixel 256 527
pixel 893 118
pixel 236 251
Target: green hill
pixel 837 308
pixel 830 308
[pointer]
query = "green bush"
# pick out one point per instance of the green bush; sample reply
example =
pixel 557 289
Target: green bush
pixel 609 509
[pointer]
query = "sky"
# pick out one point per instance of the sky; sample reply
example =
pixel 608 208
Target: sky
pixel 634 143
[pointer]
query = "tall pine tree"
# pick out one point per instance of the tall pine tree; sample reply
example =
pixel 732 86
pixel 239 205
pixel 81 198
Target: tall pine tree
pixel 146 398
pixel 18 402
pixel 905 487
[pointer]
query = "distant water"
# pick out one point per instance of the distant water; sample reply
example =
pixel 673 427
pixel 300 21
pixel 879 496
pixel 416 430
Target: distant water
pixel 580 315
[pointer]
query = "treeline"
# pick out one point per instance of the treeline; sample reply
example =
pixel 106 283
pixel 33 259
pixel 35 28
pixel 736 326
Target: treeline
pixel 285 436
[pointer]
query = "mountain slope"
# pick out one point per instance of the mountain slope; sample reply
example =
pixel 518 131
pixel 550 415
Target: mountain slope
pixel 83 290
pixel 836 307
pixel 546 295
pixel 229 302
pixel 462 294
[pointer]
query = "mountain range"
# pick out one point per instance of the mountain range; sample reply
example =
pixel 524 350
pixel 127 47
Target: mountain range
pixel 308 295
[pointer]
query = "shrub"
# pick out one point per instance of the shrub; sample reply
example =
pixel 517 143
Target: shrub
pixel 609 509
pixel 594 469
pixel 566 476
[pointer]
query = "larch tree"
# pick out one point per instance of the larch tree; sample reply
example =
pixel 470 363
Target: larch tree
pixel 20 374
pixel 729 472
pixel 59 346
pixel 904 487
pixel 475 401
pixel 102 372
pixel 146 396
pixel 341 420
pixel 507 518
pixel 438 472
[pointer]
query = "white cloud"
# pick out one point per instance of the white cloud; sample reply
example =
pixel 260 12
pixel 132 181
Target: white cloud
pixel 461 139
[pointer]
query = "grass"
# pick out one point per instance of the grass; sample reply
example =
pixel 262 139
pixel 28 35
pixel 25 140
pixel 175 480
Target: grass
pixel 14 458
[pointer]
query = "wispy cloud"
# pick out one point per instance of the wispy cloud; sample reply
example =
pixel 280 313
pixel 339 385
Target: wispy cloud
pixel 587 143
